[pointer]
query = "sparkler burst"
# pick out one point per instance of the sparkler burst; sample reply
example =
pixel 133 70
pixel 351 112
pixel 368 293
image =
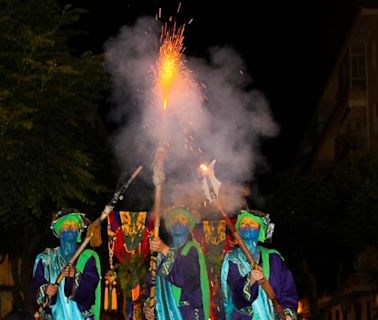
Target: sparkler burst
pixel 174 86
pixel 169 62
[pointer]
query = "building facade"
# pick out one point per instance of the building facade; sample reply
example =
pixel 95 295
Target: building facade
pixel 345 123
pixel 346 119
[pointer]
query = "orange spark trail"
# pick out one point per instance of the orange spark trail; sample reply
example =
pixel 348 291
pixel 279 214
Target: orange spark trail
pixel 169 62
pixel 172 80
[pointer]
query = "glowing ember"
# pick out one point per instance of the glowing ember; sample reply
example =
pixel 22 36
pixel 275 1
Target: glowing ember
pixel 204 167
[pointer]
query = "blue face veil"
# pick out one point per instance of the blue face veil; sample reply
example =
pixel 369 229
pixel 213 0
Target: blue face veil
pixel 178 229
pixel 70 235
pixel 251 234
pixel 266 228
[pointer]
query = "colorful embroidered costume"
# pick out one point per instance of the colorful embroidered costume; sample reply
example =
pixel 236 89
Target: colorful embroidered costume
pixel 244 301
pixel 77 297
pixel 182 287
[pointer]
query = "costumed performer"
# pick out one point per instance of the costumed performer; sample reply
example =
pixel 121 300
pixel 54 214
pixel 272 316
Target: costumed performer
pixel 182 286
pixel 243 297
pixel 78 295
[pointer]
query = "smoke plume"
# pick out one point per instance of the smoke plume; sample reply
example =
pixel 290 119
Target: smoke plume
pixel 213 113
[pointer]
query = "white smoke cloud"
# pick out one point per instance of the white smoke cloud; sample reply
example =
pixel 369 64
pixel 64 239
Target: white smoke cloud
pixel 227 125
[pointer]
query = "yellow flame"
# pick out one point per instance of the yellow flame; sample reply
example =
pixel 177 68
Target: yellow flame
pixel 300 307
pixel 165 103
pixel 204 167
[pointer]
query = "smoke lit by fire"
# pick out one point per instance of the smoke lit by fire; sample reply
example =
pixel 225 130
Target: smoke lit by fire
pixel 211 110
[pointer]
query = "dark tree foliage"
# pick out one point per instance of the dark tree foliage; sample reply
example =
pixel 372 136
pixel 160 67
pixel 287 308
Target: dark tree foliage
pixel 325 220
pixel 53 145
pixel 48 111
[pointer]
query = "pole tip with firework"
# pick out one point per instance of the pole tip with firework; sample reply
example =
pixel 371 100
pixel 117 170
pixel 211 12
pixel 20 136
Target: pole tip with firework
pixel 167 70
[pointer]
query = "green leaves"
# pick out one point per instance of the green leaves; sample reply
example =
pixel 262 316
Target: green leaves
pixel 131 272
pixel 49 123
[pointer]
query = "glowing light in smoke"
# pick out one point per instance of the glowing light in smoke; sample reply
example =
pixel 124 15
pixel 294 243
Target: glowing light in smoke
pixel 173 80
pixel 204 168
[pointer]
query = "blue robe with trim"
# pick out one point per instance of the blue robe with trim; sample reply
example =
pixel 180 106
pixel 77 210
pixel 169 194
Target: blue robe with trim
pixel 47 268
pixel 245 302
pixel 181 272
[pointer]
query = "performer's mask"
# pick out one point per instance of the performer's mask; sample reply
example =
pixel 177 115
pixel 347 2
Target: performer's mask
pixel 248 233
pixel 69 231
pixel 69 235
pixel 179 229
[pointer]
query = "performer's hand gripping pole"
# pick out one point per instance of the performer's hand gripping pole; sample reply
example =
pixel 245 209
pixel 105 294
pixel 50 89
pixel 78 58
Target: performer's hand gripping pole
pixel 158 180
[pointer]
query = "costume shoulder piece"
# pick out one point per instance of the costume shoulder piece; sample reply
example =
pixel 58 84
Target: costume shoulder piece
pixel 237 257
pixel 83 259
pixel 269 251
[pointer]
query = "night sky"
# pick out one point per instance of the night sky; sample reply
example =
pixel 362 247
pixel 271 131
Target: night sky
pixel 289 48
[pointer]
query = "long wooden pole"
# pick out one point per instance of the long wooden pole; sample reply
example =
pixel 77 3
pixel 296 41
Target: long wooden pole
pixel 108 208
pixel 158 179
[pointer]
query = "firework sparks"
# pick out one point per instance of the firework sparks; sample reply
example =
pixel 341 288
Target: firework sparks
pixel 173 80
pixel 169 62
